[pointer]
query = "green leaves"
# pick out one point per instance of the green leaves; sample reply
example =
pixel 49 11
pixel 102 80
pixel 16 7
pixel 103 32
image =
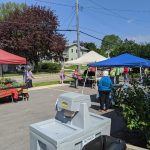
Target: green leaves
pixel 49 67
pixel 31 32
pixel 7 8
pixel 116 46
pixel 135 106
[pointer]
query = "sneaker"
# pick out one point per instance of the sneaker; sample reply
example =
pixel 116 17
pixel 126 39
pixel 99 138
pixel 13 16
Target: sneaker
pixel 101 110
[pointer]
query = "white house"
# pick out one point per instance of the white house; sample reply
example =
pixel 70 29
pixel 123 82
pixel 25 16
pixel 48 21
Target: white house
pixel 70 53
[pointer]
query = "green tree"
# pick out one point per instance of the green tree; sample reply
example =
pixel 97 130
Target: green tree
pixel 145 51
pixel 90 46
pixel 31 33
pixel 110 42
pixel 127 46
pixel 7 8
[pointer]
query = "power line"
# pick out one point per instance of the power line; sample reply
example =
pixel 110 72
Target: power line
pixel 68 17
pixel 104 8
pixel 134 21
pixel 89 29
pixel 61 30
pixel 50 30
pixel 120 10
pixel 71 30
pixel 131 11
pixel 105 13
pixel 113 12
pixel 90 35
pixel 58 4
pixel 102 22
pixel 71 20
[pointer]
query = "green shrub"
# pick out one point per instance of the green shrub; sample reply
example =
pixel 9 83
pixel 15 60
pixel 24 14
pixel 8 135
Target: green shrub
pixel 73 67
pixel 49 67
pixel 134 104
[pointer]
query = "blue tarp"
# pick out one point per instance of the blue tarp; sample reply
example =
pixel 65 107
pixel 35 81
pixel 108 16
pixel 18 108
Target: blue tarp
pixel 123 60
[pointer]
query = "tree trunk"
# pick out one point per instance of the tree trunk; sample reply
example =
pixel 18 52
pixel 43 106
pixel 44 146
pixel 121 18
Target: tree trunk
pixel 36 66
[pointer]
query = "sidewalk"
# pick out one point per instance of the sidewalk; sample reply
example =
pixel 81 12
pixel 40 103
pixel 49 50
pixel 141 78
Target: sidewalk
pixel 47 86
pixel 40 77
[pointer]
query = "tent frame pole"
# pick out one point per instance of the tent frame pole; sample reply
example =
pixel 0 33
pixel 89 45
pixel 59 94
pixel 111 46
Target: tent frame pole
pixel 2 70
pixel 96 78
pixel 85 81
pixel 141 73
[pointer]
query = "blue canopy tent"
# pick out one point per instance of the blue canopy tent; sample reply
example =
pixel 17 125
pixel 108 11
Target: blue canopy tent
pixel 124 60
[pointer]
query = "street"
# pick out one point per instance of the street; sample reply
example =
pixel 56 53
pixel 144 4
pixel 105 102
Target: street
pixel 17 117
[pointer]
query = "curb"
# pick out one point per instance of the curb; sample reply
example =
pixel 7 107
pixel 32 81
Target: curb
pixel 132 147
pixel 46 87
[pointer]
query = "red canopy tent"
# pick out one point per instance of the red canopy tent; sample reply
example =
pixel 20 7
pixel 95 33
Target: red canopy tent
pixel 8 58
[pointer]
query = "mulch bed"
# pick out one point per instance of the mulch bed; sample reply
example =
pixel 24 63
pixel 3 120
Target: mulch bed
pixel 131 137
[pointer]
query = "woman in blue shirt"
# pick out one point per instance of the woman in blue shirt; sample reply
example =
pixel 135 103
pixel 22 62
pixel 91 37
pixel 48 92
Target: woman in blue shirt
pixel 104 88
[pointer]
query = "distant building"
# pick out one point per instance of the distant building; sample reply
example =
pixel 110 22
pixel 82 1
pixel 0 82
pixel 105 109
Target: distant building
pixel 70 53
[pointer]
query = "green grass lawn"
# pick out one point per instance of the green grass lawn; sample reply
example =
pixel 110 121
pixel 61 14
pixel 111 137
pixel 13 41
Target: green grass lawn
pixel 73 67
pixel 12 74
pixel 36 84
pixel 67 69
pixel 20 74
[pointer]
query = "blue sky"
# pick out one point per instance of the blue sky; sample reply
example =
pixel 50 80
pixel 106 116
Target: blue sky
pixel 125 18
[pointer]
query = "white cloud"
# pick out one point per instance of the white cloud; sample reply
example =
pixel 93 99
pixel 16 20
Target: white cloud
pixel 140 38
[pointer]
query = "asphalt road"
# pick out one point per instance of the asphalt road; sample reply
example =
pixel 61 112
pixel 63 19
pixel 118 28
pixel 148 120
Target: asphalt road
pixel 16 117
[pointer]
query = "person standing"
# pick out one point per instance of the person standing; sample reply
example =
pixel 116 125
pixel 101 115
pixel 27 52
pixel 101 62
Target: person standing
pixel 29 77
pixel 76 76
pixel 62 76
pixel 24 73
pixel 104 88
pixel 125 73
pixel 146 72
pixel 118 72
pixel 112 75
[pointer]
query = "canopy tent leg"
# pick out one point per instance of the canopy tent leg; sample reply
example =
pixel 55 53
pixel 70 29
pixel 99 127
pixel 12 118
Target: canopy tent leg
pixel 96 78
pixel 141 74
pixel 85 81
pixel 2 70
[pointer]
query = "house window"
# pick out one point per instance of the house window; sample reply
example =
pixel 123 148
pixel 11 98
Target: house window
pixel 82 53
pixel 76 50
pixel 71 58
pixel 72 50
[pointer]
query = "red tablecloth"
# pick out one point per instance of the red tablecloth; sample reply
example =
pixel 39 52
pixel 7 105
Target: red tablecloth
pixel 9 92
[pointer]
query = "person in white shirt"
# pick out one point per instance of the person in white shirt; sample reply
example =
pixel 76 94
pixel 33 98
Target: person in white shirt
pixel 29 77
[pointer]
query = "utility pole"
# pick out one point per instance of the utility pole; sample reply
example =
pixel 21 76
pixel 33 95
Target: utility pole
pixel 77 28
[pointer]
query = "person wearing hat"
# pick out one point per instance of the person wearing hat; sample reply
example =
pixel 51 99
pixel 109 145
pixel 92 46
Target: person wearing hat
pixel 104 88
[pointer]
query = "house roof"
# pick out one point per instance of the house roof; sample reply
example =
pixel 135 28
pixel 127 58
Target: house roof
pixel 75 44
